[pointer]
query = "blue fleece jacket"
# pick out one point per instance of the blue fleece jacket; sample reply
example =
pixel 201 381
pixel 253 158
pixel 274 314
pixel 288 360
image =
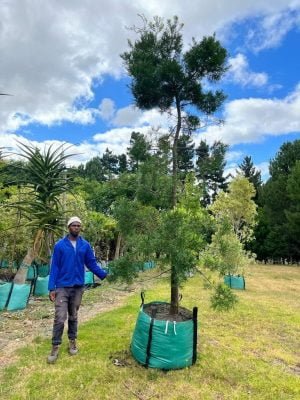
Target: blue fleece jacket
pixel 68 263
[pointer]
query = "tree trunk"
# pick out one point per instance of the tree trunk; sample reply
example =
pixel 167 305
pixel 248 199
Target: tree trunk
pixel 175 155
pixel 31 254
pixel 174 292
pixel 118 247
pixel 174 280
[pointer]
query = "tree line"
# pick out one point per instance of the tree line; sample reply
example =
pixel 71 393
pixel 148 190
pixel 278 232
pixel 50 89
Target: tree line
pixel 143 173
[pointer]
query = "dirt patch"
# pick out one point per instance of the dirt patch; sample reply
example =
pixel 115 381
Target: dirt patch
pixel 161 311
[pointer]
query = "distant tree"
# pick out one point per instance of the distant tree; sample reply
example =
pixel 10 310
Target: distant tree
pixel 122 163
pixel 154 183
pixel 138 150
pixel 110 164
pixel 278 202
pixel 237 207
pixel 186 151
pixel 248 170
pixel 12 172
pixel 94 169
pixel 210 165
pixel 293 212
pixel 285 159
pixel 101 196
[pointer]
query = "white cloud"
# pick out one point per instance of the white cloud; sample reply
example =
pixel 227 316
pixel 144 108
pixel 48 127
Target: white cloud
pixel 240 73
pixel 127 116
pixel 263 167
pixel 233 156
pixel 250 120
pixel 270 30
pixel 107 109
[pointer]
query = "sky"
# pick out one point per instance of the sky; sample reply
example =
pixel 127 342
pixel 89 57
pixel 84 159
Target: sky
pixel 60 61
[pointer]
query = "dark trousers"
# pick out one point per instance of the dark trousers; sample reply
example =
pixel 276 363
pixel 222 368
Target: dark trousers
pixel 67 303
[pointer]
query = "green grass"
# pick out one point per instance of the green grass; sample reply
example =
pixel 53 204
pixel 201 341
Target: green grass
pixel 251 352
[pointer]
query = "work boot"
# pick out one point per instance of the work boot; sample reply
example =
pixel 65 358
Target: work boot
pixel 51 359
pixel 73 350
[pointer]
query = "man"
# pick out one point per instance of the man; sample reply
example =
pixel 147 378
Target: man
pixel 66 284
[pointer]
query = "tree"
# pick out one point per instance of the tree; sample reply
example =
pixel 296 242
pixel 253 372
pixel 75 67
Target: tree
pixel 110 164
pixel 122 163
pixel 185 155
pixel 285 159
pixel 278 202
pixel 13 230
pixel 154 183
pixel 236 207
pixel 138 151
pixel 166 77
pixel 210 165
pixel 48 180
pixel 100 196
pixel 293 212
pixel 235 213
pixel 247 169
pixel 94 169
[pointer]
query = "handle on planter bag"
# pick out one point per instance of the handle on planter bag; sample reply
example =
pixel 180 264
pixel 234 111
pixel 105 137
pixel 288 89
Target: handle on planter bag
pixel 143 298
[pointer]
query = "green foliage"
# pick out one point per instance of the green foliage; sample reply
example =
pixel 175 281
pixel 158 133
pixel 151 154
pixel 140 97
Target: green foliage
pixel 185 155
pixel 225 253
pixel 285 159
pixel 237 207
pixel 175 237
pixel 46 180
pixel 124 269
pixel 99 226
pixel 293 212
pixel 162 74
pixel 279 200
pixel 139 149
pixel 14 233
pixel 137 224
pixel 247 169
pixel 101 196
pixel 223 298
pixel 210 165
pixel 154 183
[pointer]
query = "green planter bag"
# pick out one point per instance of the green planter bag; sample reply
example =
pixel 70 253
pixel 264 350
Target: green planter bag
pixel 31 273
pixel 164 344
pixel 235 282
pixel 43 270
pixel 89 278
pixel 148 265
pixel 19 296
pixel 4 264
pixel 5 289
pixel 41 286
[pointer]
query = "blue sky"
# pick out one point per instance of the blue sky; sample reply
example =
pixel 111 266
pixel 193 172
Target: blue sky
pixel 60 60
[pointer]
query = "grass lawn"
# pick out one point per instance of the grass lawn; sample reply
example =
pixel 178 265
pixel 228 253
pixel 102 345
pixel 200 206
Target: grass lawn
pixel 251 352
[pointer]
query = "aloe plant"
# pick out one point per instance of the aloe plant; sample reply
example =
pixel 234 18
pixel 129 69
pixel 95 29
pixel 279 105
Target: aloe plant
pixel 47 179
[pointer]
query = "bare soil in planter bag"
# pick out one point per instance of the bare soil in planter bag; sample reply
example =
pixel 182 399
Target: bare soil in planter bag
pixel 161 311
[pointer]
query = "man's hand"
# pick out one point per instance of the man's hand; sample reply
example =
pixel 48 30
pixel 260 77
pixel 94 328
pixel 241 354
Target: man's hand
pixel 52 295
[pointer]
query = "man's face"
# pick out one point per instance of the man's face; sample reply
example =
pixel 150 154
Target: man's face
pixel 74 229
